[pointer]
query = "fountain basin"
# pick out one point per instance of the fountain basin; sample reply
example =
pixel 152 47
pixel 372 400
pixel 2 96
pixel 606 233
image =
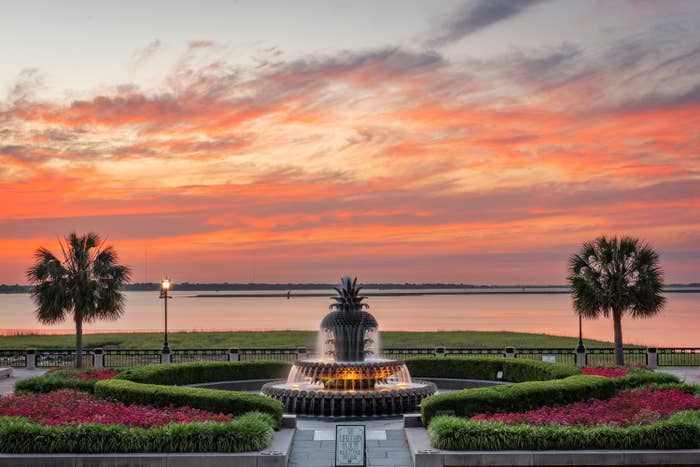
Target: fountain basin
pixel 390 399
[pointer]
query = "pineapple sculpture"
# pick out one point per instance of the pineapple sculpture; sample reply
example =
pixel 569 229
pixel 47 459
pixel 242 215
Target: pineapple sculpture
pixel 348 326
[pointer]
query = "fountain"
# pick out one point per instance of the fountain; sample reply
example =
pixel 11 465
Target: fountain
pixel 348 379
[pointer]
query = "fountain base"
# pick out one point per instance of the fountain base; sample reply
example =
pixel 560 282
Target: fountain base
pixel 372 387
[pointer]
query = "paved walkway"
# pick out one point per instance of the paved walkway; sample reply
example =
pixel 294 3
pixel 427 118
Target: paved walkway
pixel 314 443
pixel 686 374
pixel 7 385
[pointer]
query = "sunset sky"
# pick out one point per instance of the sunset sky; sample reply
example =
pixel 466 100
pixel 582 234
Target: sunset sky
pixel 456 141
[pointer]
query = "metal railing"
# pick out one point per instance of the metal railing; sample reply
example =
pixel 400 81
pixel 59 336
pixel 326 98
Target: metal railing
pixel 199 355
pixel 288 355
pixel 13 357
pixel 52 358
pixel 552 354
pixel 678 356
pixel 606 356
pixel 128 357
pixel 49 358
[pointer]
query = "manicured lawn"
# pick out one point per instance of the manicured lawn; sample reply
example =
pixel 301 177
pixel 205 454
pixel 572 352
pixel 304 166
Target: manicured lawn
pixel 184 340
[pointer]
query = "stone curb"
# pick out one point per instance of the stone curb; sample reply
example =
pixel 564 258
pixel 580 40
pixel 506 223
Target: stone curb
pixel 5 372
pixel 275 455
pixel 423 455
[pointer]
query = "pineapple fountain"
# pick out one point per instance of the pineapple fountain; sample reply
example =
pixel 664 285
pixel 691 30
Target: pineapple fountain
pixel 348 379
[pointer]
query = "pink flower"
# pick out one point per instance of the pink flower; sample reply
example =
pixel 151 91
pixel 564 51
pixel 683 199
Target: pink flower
pixel 607 372
pixel 67 407
pixel 91 375
pixel 625 408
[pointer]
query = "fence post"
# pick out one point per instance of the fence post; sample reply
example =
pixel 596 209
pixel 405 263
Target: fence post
pixel 301 353
pixel 164 357
pixel 98 358
pixel 510 352
pixel 31 359
pixel 652 358
pixel 233 355
pixel 580 357
pixel 440 352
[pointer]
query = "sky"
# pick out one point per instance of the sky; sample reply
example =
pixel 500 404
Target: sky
pixel 475 141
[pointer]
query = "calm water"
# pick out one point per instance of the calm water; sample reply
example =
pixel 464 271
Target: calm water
pixel 552 314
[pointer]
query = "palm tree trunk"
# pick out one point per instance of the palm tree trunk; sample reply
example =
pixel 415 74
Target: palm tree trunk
pixel 617 324
pixel 78 341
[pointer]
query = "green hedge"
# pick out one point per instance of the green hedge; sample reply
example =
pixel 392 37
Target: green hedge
pixel 250 432
pixel 205 372
pixel 680 431
pixel 233 402
pixel 55 380
pixel 486 368
pixel 530 395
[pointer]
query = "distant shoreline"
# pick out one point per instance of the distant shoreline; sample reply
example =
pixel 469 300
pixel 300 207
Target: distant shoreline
pixel 402 294
pixel 395 289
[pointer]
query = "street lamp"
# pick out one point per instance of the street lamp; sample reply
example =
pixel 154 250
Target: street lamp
pixel 164 287
pixel 580 348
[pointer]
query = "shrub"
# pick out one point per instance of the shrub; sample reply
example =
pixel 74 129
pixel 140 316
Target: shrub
pixel 80 379
pixel 205 372
pixel 487 368
pixel 534 394
pixel 680 431
pixel 233 402
pixel 250 432
pixel 518 397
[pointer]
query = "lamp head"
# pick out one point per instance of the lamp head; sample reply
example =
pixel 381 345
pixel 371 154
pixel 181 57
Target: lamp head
pixel 165 284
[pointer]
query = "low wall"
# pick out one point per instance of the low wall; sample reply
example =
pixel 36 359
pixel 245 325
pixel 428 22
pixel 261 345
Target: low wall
pixel 424 455
pixel 275 455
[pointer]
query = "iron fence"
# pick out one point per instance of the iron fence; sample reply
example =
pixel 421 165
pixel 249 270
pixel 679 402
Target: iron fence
pixel 13 357
pixel 400 353
pixel 554 355
pixel 199 355
pixel 475 352
pixel 52 358
pixel 288 355
pixel 606 356
pixel 48 358
pixel 130 357
pixel 678 356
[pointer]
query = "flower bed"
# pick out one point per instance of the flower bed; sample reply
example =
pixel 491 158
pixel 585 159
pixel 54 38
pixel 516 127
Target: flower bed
pixel 68 407
pixel 625 408
pixel 604 371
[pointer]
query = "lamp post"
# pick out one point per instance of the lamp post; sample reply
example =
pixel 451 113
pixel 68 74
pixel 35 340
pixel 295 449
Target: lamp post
pixel 164 287
pixel 580 348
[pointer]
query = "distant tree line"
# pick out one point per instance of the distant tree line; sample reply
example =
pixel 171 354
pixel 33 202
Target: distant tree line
pixel 225 286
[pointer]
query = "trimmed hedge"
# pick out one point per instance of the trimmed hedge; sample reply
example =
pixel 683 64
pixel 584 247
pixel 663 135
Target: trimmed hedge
pixel 233 402
pixel 680 431
pixel 55 380
pixel 531 395
pixel 250 432
pixel 205 372
pixel 486 368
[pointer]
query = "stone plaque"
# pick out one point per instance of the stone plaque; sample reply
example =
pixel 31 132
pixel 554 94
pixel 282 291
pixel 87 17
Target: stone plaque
pixel 549 358
pixel 350 445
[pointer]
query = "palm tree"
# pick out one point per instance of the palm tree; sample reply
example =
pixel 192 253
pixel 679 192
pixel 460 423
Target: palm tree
pixel 616 277
pixel 84 285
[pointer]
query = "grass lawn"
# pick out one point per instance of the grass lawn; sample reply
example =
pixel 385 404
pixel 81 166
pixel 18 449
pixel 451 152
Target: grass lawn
pixel 183 340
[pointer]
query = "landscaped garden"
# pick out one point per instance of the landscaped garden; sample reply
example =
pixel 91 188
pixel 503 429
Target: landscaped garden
pixel 593 408
pixel 111 411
